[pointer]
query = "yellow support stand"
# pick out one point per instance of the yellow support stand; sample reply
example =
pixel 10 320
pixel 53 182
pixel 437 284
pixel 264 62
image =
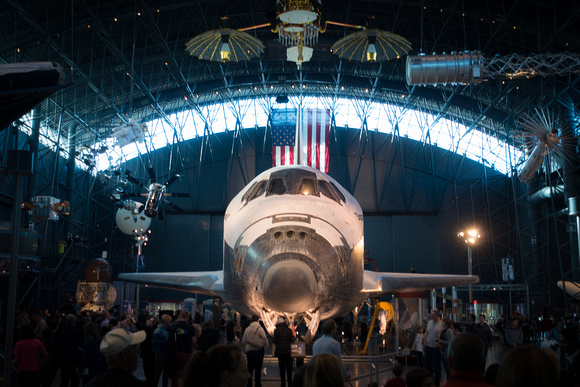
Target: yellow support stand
pixel 387 307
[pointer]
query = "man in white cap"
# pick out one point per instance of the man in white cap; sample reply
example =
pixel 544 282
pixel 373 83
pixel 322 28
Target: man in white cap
pixel 121 349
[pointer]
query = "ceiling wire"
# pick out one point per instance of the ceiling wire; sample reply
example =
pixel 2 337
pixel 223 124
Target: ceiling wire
pixel 464 29
pixel 421 37
pixel 133 59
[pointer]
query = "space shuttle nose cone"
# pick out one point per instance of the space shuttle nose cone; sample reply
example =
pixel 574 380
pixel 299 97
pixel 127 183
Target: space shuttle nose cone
pixel 289 286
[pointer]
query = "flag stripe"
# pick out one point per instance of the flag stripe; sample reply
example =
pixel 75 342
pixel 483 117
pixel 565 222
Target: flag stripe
pixel 315 134
pixel 283 155
pixel 325 141
pixel 318 119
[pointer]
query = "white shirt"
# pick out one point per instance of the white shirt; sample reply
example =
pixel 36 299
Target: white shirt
pixel 418 343
pixel 433 333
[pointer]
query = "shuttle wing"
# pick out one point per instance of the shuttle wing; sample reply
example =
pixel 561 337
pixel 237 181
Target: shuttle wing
pixel 378 283
pixel 203 282
pixel 572 288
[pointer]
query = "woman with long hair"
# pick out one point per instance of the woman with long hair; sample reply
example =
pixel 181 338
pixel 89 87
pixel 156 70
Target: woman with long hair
pixel 324 370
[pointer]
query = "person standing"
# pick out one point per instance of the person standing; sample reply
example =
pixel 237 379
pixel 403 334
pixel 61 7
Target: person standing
pixel 282 340
pixel 183 340
pixel 433 347
pixel 570 357
pixel 39 323
pixel 121 349
pixel 146 347
pixel 483 331
pixel 467 361
pixel 254 343
pixel 397 380
pixel 470 324
pixel 90 364
pixel 29 356
pixel 69 341
pixel 160 346
pixel 446 336
pixel 209 337
pixel 223 365
pixel 60 248
pixel 514 337
pixel 328 344
pixel 364 329
pixel 417 348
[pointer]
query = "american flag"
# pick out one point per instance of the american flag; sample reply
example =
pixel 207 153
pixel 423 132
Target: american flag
pixel 284 137
pixel 315 134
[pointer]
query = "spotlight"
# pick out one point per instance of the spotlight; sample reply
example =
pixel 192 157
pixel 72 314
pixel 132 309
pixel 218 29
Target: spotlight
pixel 225 52
pixel 371 49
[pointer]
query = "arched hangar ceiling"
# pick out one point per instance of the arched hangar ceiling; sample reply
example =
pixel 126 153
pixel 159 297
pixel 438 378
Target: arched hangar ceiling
pixel 127 59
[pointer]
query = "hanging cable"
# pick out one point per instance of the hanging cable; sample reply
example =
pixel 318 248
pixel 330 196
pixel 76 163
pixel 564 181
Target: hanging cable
pixel 421 37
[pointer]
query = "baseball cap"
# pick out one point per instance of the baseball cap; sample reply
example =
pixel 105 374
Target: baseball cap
pixel 118 340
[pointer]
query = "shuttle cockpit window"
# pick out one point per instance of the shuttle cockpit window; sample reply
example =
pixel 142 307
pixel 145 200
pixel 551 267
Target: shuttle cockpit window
pixel 337 191
pixel 255 190
pixel 276 187
pixel 327 190
pixel 249 192
pixel 308 187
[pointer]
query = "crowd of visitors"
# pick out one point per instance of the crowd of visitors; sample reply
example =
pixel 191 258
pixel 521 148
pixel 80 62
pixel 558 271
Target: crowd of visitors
pixel 102 349
pixel 542 354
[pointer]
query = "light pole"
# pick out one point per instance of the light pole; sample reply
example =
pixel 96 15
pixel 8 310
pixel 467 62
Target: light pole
pixel 470 237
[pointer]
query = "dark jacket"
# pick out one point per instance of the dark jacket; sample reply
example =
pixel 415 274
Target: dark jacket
pixel 283 337
pixel 484 333
pixel 181 336
pixel 208 338
pixel 69 342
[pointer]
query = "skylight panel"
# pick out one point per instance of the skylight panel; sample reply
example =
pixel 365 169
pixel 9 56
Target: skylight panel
pixel 413 124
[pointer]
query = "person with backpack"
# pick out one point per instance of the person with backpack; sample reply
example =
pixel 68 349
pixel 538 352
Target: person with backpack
pixel 254 343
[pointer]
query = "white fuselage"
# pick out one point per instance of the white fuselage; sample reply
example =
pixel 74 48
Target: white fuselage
pixel 293 243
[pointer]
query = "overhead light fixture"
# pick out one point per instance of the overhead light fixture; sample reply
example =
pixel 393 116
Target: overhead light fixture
pixel 225 45
pixel 225 52
pixel 370 44
pixel 371 50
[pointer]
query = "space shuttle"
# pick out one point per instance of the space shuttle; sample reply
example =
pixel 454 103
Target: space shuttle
pixel 293 248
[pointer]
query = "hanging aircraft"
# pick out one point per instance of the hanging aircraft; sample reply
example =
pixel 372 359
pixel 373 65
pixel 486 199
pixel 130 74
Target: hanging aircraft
pixel 294 247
